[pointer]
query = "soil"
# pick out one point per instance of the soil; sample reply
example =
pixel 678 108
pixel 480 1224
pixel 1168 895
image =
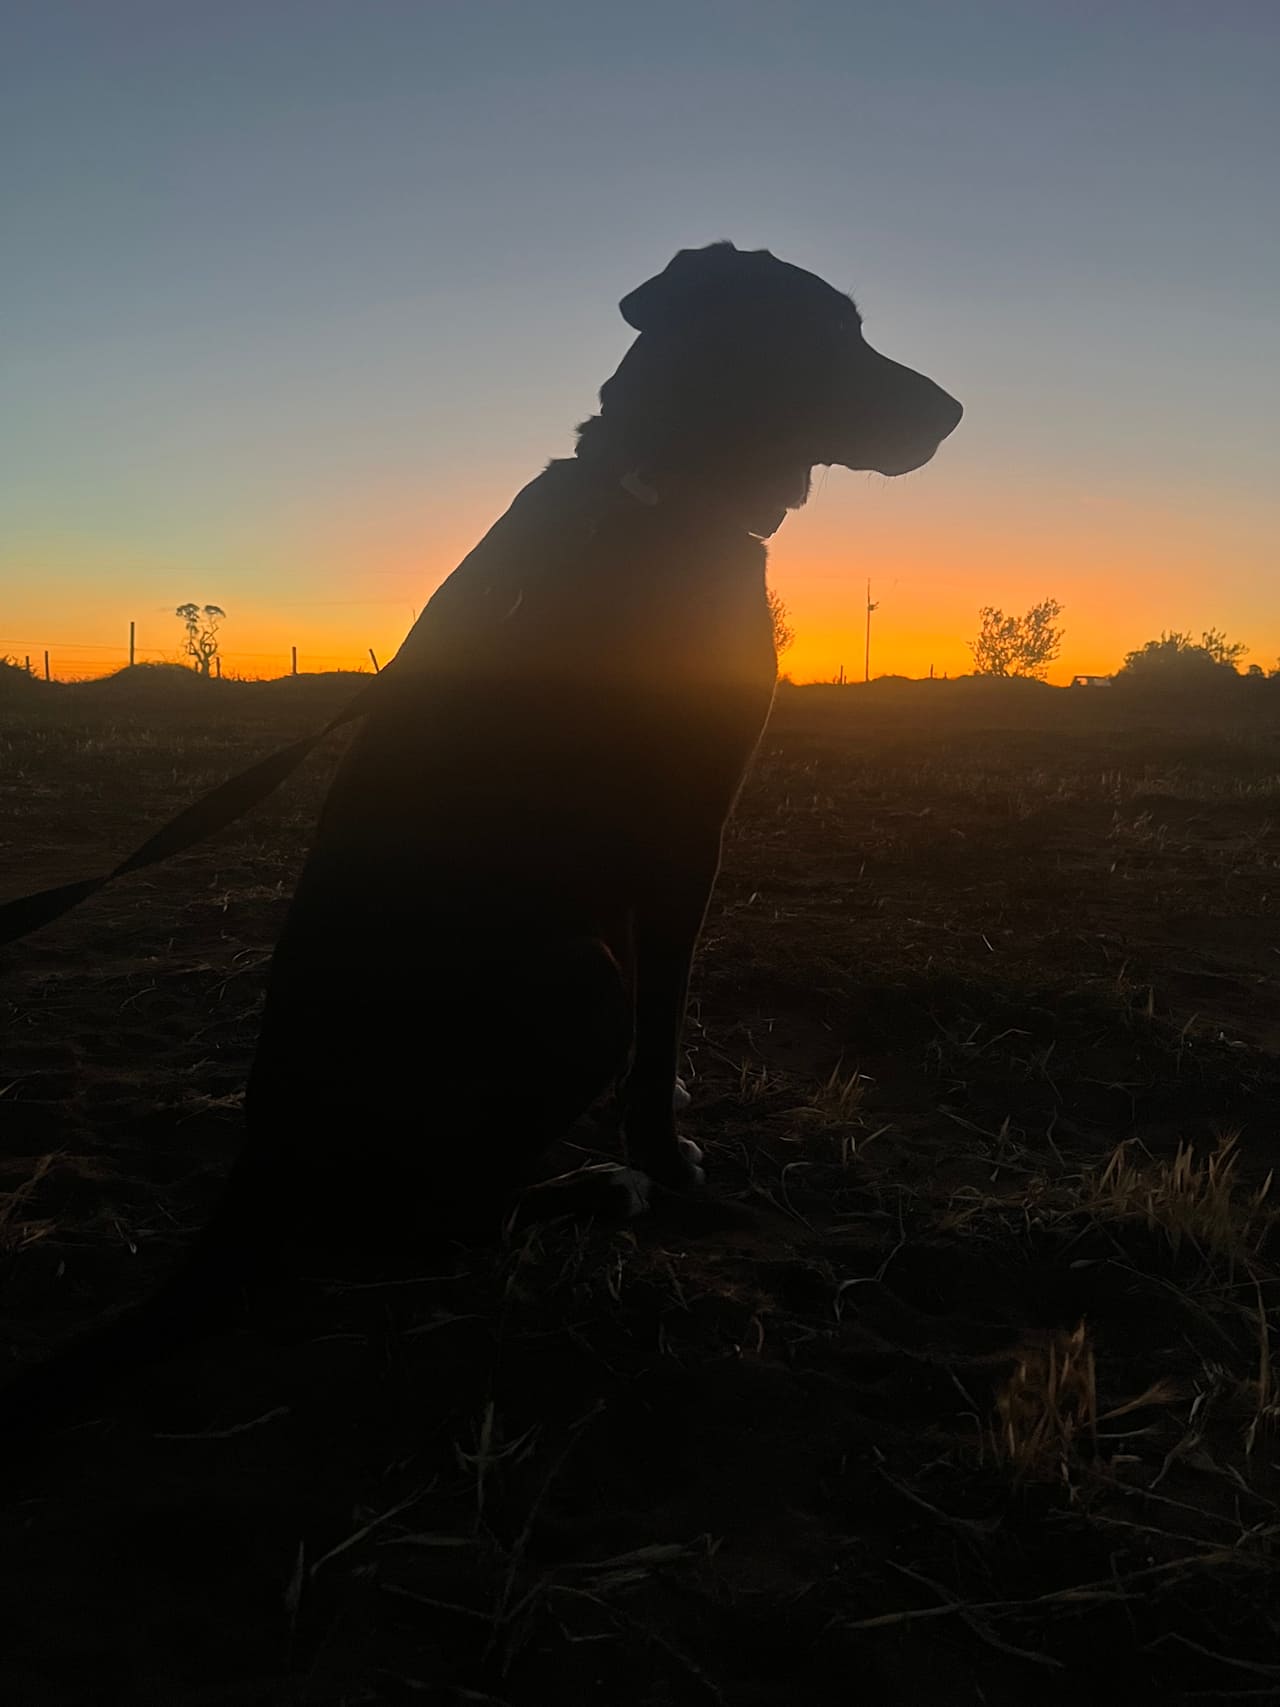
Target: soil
pixel 954 1387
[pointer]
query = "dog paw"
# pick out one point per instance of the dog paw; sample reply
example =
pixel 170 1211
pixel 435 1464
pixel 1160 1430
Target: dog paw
pixel 681 1098
pixel 633 1188
pixel 692 1154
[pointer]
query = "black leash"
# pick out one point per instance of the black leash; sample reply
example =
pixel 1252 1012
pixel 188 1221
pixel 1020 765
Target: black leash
pixel 214 811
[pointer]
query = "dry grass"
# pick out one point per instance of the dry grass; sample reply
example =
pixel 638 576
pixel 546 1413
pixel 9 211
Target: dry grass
pixel 16 1228
pixel 1048 1405
pixel 1047 1412
pixel 840 1096
pixel 1190 1200
pixel 726 1453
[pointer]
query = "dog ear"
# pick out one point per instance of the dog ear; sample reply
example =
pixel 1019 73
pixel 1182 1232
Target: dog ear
pixel 683 290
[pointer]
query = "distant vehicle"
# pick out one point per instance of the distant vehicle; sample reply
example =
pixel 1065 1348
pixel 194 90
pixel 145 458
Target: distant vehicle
pixel 1092 681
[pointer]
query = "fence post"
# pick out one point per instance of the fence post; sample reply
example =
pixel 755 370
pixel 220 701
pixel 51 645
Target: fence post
pixel 376 666
pixel 218 662
pixel 28 663
pixel 294 669
pixel 131 626
pixel 46 665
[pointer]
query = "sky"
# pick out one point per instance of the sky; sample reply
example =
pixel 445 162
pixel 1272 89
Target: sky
pixel 298 293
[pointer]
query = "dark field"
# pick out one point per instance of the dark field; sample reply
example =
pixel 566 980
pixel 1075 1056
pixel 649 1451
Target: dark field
pixel 957 1389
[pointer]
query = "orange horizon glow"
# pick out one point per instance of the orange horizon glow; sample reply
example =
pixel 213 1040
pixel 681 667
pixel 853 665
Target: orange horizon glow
pixel 1124 568
pixel 829 621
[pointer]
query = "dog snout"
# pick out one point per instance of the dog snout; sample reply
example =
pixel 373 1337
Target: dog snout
pixel 899 417
pixel 915 403
pixel 951 412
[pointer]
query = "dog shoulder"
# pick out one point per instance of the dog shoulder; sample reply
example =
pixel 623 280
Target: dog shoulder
pixel 489 582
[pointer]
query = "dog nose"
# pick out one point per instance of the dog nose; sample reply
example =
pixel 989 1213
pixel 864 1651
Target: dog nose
pixel 951 412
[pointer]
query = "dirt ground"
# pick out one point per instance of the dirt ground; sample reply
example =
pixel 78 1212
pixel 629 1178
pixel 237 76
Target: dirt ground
pixel 957 1387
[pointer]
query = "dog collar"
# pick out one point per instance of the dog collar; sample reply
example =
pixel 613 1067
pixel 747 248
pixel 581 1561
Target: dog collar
pixel 632 484
pixel 645 494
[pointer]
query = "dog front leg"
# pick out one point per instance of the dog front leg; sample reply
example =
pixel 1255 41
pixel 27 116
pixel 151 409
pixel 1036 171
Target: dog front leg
pixel 667 924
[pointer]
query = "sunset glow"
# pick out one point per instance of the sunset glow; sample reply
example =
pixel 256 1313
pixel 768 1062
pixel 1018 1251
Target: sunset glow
pixel 290 330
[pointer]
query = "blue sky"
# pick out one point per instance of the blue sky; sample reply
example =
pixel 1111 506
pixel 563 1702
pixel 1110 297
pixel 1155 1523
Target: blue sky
pixel 297 295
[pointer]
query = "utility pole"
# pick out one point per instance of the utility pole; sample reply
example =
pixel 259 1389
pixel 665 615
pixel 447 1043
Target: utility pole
pixel 866 676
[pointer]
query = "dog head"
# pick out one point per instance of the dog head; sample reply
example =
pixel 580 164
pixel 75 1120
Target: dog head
pixel 749 372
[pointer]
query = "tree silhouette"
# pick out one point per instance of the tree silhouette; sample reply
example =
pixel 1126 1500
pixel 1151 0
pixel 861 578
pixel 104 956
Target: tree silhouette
pixel 1017 645
pixel 783 633
pixel 1222 650
pixel 201 623
pixel 1176 657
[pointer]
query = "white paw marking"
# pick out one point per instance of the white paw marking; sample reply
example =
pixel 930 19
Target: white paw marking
pixel 681 1099
pixel 693 1155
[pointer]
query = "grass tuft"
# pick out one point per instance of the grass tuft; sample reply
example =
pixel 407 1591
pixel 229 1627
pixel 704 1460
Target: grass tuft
pixel 1190 1200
